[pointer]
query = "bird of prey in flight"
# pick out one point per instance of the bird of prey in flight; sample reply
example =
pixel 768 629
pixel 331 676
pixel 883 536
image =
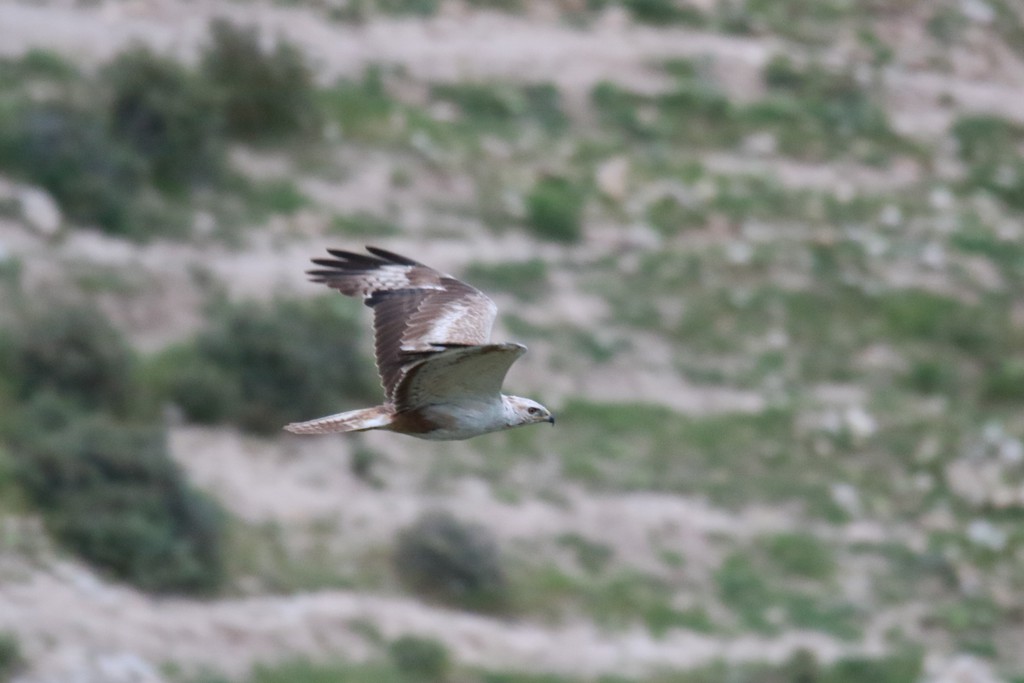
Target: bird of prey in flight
pixel 441 374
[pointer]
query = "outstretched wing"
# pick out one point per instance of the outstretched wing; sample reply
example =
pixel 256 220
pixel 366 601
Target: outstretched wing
pixel 466 374
pixel 417 310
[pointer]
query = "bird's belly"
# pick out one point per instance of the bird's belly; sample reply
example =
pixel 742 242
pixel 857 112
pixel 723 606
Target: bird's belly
pixel 462 421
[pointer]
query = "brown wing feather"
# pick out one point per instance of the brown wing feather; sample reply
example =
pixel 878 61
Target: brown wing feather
pixel 417 310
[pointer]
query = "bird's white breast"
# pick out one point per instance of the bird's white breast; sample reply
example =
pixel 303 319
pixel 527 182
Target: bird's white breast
pixel 464 420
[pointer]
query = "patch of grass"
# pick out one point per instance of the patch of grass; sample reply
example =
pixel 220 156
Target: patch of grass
pixel 1009 24
pixel 306 671
pixel 419 8
pixel 768 606
pixel 275 197
pixel 806 21
pixel 421 659
pixel 989 144
pixel 671 216
pixel 615 600
pixel 292 560
pixel 818 113
pixel 591 556
pixel 973 622
pixel 526 280
pixel 35 65
pixel 810 112
pixel 488 105
pixel 362 108
pixel 801 555
pixel 974 237
pixel 903 666
pixel 362 224
pixel 1005 382
pixel 743 588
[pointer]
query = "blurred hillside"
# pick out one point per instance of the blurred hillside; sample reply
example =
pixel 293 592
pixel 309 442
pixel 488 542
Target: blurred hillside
pixel 768 257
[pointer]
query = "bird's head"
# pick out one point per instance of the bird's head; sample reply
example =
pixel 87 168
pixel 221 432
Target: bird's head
pixel 521 411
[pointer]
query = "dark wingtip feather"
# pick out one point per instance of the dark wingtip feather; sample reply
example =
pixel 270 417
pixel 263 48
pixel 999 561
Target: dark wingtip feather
pixel 392 256
pixel 350 257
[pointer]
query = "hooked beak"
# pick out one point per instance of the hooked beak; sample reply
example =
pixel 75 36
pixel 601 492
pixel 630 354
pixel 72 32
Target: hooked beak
pixel 551 419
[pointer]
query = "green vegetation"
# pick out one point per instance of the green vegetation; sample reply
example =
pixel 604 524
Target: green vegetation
pixel 168 116
pixel 263 366
pixel 526 280
pixel 10 655
pixel 457 563
pixel 262 94
pixel 616 600
pixel 112 495
pixel 73 351
pixel 421 659
pixel 96 178
pixel 493 105
pixel 802 667
pixel 801 555
pixel 810 113
pixel 126 149
pixel 554 209
pixel 815 23
pixel 660 12
pixel 767 606
pixel 988 145
pixel 84 451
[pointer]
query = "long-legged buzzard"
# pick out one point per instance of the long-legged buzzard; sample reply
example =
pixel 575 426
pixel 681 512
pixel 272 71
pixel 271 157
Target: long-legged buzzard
pixel 441 374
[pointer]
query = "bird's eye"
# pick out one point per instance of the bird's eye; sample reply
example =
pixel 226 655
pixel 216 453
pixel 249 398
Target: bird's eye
pixel 533 411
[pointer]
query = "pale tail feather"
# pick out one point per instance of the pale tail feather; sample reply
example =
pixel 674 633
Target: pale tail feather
pixel 352 421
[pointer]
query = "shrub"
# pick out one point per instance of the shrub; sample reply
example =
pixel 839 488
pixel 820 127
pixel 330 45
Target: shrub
pixel 69 151
pixel 555 209
pixel 205 392
pixel 442 558
pixel 112 495
pixel 10 655
pixel 989 146
pixel 492 104
pixel 743 588
pixel 801 555
pixel 420 8
pixel 663 12
pixel 422 659
pixel 167 115
pixel 264 94
pixel 1005 381
pixel 34 65
pixel 262 366
pixel 72 350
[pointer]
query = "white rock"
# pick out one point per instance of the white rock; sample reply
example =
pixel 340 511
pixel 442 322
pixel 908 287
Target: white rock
pixel 959 669
pixel 612 178
pixel 978 11
pixel 982 532
pixel 39 210
pixel 860 422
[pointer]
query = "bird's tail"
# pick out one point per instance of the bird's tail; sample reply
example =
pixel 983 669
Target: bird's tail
pixel 352 421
